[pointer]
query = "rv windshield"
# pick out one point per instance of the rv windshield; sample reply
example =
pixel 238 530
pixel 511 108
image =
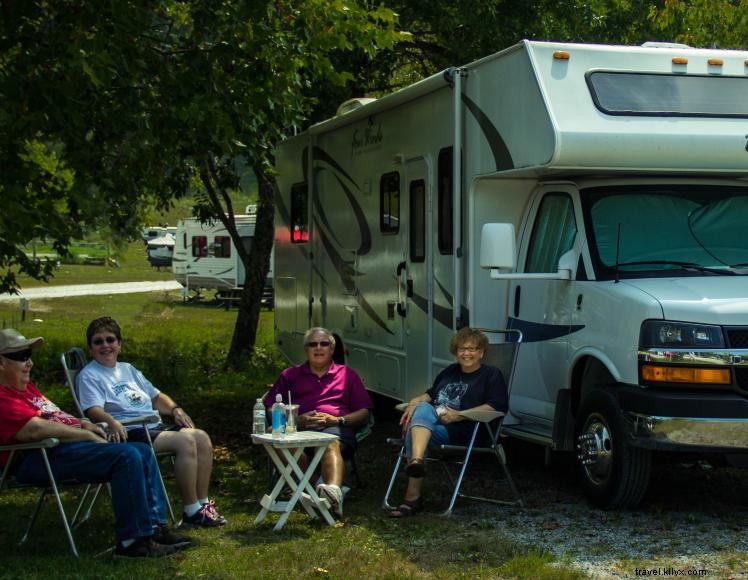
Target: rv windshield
pixel 674 230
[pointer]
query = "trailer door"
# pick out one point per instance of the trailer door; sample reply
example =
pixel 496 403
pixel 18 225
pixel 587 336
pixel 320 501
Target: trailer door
pixel 415 277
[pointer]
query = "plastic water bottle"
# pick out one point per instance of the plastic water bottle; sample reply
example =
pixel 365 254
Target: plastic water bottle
pixel 278 417
pixel 258 418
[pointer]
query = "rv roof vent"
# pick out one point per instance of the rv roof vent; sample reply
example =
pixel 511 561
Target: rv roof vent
pixel 251 209
pixel 665 45
pixel 352 105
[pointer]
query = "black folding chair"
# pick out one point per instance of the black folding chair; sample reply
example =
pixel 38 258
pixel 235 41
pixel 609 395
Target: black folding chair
pixel 502 355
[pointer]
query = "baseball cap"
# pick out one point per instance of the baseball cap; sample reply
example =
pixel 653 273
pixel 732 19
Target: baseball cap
pixel 12 341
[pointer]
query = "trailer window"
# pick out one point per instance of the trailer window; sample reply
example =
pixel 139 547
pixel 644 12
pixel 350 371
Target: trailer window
pixel 299 214
pixel 199 246
pixel 222 247
pixel 444 214
pixel 553 233
pixel 389 203
pixel 668 95
pixel 417 221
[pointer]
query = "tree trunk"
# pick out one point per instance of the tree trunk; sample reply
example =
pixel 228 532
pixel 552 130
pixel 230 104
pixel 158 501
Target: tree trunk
pixel 256 270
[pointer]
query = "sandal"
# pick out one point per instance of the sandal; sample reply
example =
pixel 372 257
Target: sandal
pixel 416 468
pixel 407 509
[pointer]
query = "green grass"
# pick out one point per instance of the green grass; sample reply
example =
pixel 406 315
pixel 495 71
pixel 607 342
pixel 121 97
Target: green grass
pixel 181 348
pixel 133 267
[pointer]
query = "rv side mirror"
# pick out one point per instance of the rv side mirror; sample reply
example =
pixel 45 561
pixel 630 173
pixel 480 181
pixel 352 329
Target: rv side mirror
pixel 567 264
pixel 497 247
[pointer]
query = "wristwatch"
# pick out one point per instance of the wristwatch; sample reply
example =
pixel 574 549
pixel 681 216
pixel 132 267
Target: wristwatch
pixel 342 421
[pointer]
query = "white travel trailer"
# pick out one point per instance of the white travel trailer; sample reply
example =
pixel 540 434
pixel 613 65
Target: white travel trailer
pixel 594 197
pixel 205 257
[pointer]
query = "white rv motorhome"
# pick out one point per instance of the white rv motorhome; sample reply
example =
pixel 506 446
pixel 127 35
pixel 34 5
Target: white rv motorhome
pixel 205 257
pixel 594 197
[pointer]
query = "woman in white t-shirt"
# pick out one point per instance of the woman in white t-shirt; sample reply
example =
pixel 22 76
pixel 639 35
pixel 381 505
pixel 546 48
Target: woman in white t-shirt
pixel 111 391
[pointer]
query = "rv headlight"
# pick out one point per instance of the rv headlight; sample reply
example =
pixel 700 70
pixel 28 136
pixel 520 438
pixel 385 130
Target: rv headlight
pixel 663 333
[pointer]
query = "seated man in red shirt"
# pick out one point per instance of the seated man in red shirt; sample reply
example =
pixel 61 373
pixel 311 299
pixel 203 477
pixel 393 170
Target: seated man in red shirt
pixel 332 399
pixel 83 454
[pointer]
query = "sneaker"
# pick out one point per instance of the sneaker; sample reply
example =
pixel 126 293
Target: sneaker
pixel 211 506
pixel 164 536
pixel 142 548
pixel 205 517
pixel 334 495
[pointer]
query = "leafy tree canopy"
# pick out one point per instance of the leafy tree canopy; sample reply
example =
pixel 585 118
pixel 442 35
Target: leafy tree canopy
pixel 109 105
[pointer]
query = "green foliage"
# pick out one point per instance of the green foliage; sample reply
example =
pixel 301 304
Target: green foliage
pixel 705 23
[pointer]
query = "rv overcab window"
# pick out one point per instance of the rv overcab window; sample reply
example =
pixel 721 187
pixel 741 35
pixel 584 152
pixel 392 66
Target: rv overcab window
pixel 668 95
pixel 222 247
pixel 199 246
pixel 389 203
pixel 299 214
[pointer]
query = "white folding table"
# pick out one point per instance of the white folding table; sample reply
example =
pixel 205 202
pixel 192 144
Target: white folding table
pixel 285 453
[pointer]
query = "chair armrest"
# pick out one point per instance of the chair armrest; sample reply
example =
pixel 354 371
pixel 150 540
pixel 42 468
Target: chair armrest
pixel 143 420
pixel 480 415
pixel 41 444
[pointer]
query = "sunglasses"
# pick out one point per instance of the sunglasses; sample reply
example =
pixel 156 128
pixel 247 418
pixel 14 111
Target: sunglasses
pixel 100 341
pixel 320 343
pixel 20 356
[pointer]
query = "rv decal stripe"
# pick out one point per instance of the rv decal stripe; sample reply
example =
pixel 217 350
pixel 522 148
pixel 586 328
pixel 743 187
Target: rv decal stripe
pixel 321 155
pixel 538 332
pixel 501 155
pixel 346 273
pixel 442 314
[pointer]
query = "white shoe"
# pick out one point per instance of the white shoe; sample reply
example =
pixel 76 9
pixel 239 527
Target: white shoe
pixel 334 495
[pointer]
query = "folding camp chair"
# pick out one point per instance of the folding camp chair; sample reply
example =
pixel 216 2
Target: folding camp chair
pixel 72 362
pixel 8 482
pixel 503 356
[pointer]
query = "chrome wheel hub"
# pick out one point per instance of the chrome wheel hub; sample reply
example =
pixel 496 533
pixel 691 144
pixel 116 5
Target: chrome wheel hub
pixel 595 450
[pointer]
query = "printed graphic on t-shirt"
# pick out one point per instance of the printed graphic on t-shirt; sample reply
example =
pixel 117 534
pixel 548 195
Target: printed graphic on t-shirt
pixel 450 395
pixel 134 397
pixel 51 412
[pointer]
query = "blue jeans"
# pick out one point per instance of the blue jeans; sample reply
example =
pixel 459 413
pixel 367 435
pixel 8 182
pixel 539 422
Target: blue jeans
pixel 425 416
pixel 137 496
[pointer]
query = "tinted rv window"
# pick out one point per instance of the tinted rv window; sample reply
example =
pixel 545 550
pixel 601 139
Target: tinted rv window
pixel 619 93
pixel 553 233
pixel 444 214
pixel 389 203
pixel 222 247
pixel 299 214
pixel 199 246
pixel 417 221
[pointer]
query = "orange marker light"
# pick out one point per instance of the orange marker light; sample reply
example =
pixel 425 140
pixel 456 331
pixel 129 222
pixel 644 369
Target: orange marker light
pixel 561 55
pixel 709 376
pixel 680 60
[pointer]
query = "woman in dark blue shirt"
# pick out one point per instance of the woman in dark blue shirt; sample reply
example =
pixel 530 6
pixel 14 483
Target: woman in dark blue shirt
pixel 434 418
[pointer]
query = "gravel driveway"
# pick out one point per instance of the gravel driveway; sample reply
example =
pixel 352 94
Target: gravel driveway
pixel 694 517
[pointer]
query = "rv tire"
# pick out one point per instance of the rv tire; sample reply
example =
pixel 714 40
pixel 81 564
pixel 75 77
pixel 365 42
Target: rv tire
pixel 614 473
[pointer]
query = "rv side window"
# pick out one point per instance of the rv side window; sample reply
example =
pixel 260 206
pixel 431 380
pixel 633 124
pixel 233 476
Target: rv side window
pixel 299 214
pixel 222 247
pixel 417 221
pixel 445 177
pixel 553 233
pixel 199 246
pixel 389 203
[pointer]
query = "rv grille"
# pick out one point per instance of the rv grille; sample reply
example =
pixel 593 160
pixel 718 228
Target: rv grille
pixel 737 336
pixel 741 375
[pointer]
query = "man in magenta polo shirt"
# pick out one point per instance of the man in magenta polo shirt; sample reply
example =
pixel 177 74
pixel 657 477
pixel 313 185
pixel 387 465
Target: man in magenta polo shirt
pixel 332 399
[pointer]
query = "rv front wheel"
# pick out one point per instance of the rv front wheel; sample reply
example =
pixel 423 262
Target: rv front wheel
pixel 614 474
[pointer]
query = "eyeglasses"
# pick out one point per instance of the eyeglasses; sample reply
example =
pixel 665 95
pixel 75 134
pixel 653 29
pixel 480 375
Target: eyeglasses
pixel 323 343
pixel 470 349
pixel 100 341
pixel 20 356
